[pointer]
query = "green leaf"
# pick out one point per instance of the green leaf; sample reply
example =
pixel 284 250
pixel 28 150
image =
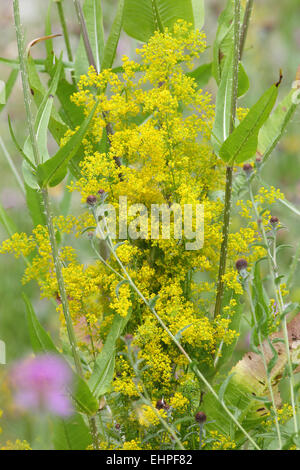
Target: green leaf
pixel 71 434
pixel 224 99
pixel 201 74
pixel 56 125
pixel 35 205
pixel 113 38
pixel 199 13
pixel 243 83
pixel 224 39
pixel 54 170
pixel 143 17
pixel 274 128
pixel 241 145
pixel 8 87
pixel 40 340
pixel 7 221
pixel 92 12
pixel 224 386
pixel 103 372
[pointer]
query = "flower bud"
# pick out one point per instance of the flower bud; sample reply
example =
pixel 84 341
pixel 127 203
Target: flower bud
pixel 91 200
pixel 241 264
pixel 248 168
pixel 274 221
pixel 101 191
pixel 200 417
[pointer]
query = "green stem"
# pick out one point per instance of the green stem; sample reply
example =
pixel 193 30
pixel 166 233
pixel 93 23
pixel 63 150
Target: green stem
pixel 229 169
pixel 62 19
pixel 85 35
pixel 157 17
pixel 245 25
pixel 48 213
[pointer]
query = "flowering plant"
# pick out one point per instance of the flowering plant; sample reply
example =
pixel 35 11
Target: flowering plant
pixel 151 309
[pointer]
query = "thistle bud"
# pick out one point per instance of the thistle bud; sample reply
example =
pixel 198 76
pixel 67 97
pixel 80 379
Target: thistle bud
pixel 241 264
pixel 162 405
pixel 101 191
pixel 248 169
pixel 128 338
pixel 200 417
pixel 274 221
pixel 91 200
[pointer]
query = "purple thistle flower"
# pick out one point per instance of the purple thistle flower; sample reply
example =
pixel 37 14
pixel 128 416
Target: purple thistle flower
pixel 41 384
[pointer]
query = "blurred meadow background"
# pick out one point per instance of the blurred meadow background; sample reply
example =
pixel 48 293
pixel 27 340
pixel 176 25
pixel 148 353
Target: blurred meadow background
pixel 273 44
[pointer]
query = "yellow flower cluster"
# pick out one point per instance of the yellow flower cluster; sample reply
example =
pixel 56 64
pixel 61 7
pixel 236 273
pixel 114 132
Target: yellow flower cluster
pixel 17 445
pixel 220 441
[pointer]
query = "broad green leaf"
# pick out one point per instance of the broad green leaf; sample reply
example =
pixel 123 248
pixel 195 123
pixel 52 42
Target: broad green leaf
pixel 54 170
pixel 241 145
pixel 42 343
pixel 103 372
pixel 199 13
pixel 113 38
pixel 201 74
pixel 221 128
pixel 92 12
pixel 274 128
pixel 143 17
pixel 71 433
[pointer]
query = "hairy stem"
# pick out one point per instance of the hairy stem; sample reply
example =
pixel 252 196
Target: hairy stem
pixel 229 169
pixel 245 26
pixel 85 35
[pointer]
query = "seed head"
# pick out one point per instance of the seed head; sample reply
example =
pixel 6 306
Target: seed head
pixel 274 221
pixel 248 168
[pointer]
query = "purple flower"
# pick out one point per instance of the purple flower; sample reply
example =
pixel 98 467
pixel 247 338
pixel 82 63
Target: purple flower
pixel 41 384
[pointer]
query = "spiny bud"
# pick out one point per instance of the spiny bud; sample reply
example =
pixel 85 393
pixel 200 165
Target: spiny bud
pixel 274 221
pixel 200 417
pixel 241 264
pixel 248 168
pixel 101 191
pixel 91 200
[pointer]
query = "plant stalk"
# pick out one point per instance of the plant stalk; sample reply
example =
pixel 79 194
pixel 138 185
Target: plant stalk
pixel 62 19
pixel 229 169
pixel 245 25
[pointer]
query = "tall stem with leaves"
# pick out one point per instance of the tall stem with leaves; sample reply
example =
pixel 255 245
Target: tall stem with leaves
pixel 46 203
pixel 229 169
pixel 273 268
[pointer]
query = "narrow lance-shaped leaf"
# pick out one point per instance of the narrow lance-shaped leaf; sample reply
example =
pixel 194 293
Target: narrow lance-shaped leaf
pixel 272 131
pixel 113 38
pixel 241 145
pixel 103 372
pixel 224 39
pixel 199 13
pixel 54 170
pixel 223 117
